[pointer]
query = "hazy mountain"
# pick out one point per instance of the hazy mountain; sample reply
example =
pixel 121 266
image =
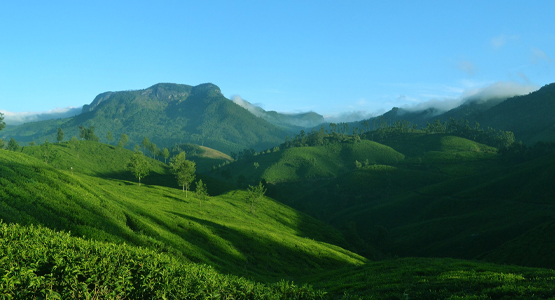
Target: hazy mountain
pixel 295 121
pixel 167 114
pixel 531 117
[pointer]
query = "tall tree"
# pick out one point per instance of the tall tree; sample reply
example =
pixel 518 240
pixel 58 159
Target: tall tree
pixel 2 144
pixel 201 191
pixel 47 153
pixel 255 193
pixel 123 140
pixel 60 135
pixel 109 137
pixel 88 134
pixel 145 143
pixel 184 171
pixel 2 124
pixel 13 145
pixel 166 154
pixel 138 165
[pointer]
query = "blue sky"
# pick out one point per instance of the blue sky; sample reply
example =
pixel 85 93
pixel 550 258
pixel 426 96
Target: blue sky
pixel 333 57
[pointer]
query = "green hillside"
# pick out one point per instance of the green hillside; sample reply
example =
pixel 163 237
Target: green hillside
pixel 167 114
pixel 309 163
pixel 435 200
pixel 221 232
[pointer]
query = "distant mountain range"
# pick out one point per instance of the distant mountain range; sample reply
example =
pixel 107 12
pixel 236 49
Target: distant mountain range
pixel 530 117
pixel 171 114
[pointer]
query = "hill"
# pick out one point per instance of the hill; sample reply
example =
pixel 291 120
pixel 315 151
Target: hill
pixel 309 163
pixel 167 114
pixel 530 117
pixel 275 242
pixel 428 195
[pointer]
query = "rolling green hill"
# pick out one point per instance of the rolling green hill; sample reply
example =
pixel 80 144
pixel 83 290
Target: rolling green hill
pixel 446 196
pixel 275 242
pixel 309 163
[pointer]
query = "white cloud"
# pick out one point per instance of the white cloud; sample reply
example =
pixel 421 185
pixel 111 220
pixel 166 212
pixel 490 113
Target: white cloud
pixel 500 41
pixel 497 90
pixel 468 67
pixel 18 118
pixel 254 109
pixel 538 56
pixel 350 116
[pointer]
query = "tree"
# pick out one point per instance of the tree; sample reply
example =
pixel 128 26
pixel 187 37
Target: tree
pixel 2 144
pixel 184 171
pixel 153 149
pixel 74 143
pixel 87 134
pixel 123 140
pixel 109 137
pixel 255 193
pixel 60 135
pixel 2 124
pixel 166 154
pixel 145 143
pixel 47 153
pixel 201 191
pixel 138 165
pixel 13 145
pixel 256 165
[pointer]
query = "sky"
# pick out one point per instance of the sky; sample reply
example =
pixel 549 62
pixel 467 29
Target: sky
pixel 342 59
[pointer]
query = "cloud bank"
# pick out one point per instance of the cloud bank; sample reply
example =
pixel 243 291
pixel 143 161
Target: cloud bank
pixel 495 91
pixel 351 116
pixel 18 118
pixel 255 110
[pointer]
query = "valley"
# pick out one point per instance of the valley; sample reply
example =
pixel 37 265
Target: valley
pixel 377 209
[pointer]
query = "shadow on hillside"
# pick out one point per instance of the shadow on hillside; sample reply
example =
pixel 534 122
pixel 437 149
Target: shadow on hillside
pixel 41 196
pixel 259 256
pixel 215 186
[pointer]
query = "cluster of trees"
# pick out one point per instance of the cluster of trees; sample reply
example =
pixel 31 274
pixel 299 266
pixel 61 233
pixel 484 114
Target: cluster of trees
pixel 519 152
pixel 496 138
pixel 153 150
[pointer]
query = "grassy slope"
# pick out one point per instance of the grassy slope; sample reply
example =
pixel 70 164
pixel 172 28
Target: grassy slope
pixel 274 242
pixel 295 164
pixel 449 197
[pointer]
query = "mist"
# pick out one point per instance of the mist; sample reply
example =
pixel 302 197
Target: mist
pixel 255 110
pixel 351 116
pixel 18 118
pixel 494 92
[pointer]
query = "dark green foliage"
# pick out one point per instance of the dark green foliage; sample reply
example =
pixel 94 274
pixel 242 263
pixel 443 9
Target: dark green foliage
pixel 255 193
pixel 41 263
pixel 13 145
pixel 184 171
pixel 437 278
pixel 139 166
pixel 109 137
pixel 123 140
pixel 87 134
pixel 201 191
pixel 48 154
pixel 60 135
pixel 2 123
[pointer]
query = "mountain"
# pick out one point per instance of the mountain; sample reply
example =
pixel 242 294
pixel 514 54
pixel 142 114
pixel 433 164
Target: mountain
pixel 295 122
pixel 167 114
pixel 530 117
